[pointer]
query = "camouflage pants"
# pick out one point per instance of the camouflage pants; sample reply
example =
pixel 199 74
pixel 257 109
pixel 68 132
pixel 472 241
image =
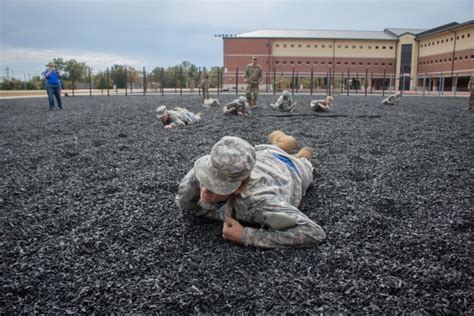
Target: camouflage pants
pixel 252 93
pixel 205 91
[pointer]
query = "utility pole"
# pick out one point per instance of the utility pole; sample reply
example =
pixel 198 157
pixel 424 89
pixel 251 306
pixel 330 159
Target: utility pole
pixel 7 70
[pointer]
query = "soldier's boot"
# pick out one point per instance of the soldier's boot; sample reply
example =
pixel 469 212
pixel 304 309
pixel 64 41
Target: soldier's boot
pixel 305 152
pixel 283 141
pixel 254 100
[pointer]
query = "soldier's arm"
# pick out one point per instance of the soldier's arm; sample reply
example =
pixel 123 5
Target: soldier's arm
pixel 247 110
pixel 286 227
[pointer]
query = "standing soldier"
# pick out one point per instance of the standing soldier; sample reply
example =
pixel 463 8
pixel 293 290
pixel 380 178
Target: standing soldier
pixel 253 77
pixel 204 84
pixel 470 86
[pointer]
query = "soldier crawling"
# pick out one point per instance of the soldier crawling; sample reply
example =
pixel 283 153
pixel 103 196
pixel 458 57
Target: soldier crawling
pixel 239 106
pixel 284 103
pixel 253 77
pixel 321 105
pixel 214 103
pixel 262 185
pixel 392 99
pixel 178 116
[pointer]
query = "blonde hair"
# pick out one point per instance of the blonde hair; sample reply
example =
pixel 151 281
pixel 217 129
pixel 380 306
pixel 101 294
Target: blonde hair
pixel 329 98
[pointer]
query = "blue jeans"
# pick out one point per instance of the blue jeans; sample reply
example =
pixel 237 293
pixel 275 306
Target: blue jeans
pixel 54 91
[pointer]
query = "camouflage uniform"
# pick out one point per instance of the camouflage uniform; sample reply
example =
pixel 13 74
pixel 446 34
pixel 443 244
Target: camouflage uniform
pixel 319 105
pixel 238 106
pixel 284 103
pixel 471 90
pixel 392 99
pixel 178 116
pixel 253 77
pixel 271 198
pixel 211 103
pixel 204 84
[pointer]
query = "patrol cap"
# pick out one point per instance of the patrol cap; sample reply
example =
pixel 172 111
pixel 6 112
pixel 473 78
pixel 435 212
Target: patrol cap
pixel 242 100
pixel 161 110
pixel 254 57
pixel 285 93
pixel 231 161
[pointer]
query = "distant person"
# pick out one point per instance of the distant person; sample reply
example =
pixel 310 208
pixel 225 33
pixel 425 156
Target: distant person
pixel 470 86
pixel 239 106
pixel 253 77
pixel 52 77
pixel 321 105
pixel 204 84
pixel 214 103
pixel 392 99
pixel 192 85
pixel 176 117
pixel 284 103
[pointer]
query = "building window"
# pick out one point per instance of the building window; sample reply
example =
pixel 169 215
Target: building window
pixel 277 62
pixel 347 46
pixel 360 63
pixel 338 62
pixel 451 39
pixel 457 37
pixel 391 47
pixel 383 47
pixel 284 62
pixel 472 56
pixel 308 63
pixel 449 59
pixel 468 34
pixel 376 64
pixel 315 63
pixel 299 45
pixel 369 63
pixel 277 45
pixel 376 47
pixel 429 44
pixel 284 45
pixel 338 46
pixel 353 46
pixel 315 46
pixel 460 57
pixel 390 64
pixel 353 63
pixel 361 47
pixel 370 47
pixel 323 46
pixel 322 63
pixel 345 63
pixel 383 64
pixel 442 41
pixel 292 45
pixel 299 63
pixel 308 46
pixel 437 42
pixel 445 60
pixel 292 62
pixel 462 36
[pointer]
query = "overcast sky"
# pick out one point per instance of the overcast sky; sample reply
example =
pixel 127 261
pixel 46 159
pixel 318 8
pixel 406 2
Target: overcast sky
pixel 165 32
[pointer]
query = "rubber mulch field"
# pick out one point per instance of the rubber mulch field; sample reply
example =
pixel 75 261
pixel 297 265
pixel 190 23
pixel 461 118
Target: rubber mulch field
pixel 89 224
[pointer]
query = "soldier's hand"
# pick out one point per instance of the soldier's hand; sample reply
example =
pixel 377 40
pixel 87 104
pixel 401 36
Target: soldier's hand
pixel 232 230
pixel 168 126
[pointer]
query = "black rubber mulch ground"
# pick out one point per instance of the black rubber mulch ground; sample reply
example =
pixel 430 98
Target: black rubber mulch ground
pixel 89 224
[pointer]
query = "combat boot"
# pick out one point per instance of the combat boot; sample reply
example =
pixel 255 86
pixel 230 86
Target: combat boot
pixel 305 152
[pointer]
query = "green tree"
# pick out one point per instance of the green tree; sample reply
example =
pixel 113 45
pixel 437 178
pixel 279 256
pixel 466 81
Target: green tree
pixel 75 71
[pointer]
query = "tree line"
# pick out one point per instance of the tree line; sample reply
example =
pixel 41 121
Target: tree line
pixel 77 74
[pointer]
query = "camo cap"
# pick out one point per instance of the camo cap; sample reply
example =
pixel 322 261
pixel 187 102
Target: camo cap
pixel 231 161
pixel 161 110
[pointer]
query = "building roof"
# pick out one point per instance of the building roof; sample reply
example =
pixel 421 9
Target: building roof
pixel 401 31
pixel 443 28
pixel 319 34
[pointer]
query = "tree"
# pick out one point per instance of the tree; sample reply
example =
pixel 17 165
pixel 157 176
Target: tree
pixel 75 71
pixel 119 76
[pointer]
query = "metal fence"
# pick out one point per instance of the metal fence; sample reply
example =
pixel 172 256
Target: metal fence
pixel 343 83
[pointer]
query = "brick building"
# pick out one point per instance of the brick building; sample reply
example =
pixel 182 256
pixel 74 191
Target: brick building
pixel 394 57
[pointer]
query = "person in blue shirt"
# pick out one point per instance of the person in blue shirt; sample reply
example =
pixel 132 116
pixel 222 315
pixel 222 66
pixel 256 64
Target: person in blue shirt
pixel 53 85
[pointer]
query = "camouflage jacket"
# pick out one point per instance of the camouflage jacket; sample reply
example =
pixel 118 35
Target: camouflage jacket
pixel 235 107
pixel 180 116
pixel 391 99
pixel 283 104
pixel 319 105
pixel 271 200
pixel 204 79
pixel 253 74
